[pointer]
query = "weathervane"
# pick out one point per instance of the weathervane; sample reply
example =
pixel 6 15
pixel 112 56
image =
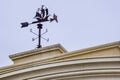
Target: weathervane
pixel 42 15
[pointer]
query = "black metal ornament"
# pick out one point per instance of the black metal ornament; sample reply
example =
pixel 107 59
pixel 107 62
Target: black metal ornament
pixel 42 15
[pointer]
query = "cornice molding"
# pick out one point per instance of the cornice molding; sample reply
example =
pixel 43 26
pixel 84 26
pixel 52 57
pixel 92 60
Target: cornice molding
pixel 17 69
pixel 78 74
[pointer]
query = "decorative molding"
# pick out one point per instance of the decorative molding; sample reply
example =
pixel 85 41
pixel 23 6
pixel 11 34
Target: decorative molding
pixel 19 69
pixel 71 67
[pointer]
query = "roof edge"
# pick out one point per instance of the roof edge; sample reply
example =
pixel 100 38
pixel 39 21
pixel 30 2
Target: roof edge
pixel 38 51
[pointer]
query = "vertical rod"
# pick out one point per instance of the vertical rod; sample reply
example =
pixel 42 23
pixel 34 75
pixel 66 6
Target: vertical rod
pixel 39 26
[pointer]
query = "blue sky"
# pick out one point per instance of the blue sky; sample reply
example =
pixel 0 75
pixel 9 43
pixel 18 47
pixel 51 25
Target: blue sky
pixel 82 24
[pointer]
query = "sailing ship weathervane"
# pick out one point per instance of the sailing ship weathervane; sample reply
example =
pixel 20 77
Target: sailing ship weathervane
pixel 42 15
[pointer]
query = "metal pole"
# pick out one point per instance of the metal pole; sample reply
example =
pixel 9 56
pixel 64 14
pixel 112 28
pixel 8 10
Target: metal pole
pixel 39 26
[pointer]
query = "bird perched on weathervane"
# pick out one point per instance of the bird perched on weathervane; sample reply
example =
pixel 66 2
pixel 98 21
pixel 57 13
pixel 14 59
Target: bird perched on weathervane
pixel 42 15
